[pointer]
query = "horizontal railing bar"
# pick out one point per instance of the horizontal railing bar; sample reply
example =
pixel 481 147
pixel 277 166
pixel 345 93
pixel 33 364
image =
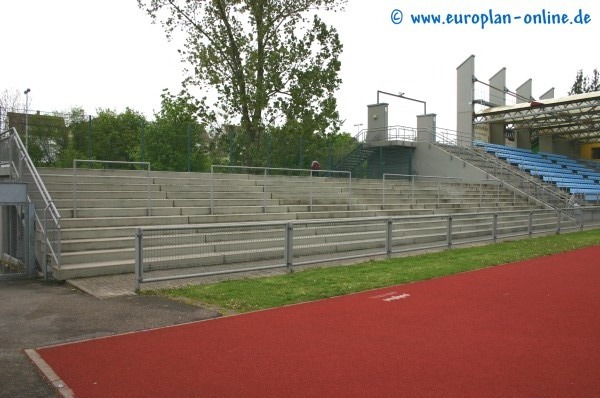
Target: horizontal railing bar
pixel 328 251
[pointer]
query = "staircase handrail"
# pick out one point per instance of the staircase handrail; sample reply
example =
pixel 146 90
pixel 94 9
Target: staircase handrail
pixel 391 133
pixel 502 167
pixel 49 209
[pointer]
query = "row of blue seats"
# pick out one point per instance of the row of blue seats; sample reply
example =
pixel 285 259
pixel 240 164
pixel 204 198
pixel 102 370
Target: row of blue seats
pixel 556 170
pixel 531 162
pixel 588 173
pixel 502 153
pixel 578 168
pixel 543 164
pixel 562 176
pixel 553 155
pixel 595 178
pixel 540 169
pixel 569 186
pixel 585 191
pixel 518 159
pixel 499 146
pixel 573 165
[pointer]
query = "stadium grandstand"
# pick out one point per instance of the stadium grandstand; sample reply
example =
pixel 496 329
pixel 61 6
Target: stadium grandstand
pixel 514 166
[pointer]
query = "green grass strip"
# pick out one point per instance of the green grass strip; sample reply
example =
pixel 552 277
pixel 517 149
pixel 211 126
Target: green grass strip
pixel 318 283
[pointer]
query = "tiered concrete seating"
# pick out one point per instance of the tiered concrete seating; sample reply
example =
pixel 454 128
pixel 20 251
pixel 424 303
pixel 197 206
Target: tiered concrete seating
pixel 111 204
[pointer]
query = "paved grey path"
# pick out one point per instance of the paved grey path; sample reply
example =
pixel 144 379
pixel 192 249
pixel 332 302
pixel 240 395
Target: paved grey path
pixel 35 314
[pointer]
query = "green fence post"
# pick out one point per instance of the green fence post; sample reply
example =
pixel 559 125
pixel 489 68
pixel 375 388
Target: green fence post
pixel 89 137
pixel 380 174
pixel 189 147
pixel 301 160
pixel 268 150
pixel 230 147
pixel 143 141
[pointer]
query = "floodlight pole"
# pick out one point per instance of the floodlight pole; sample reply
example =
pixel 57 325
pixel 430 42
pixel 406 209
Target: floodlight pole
pixel 401 95
pixel 358 127
pixel 27 119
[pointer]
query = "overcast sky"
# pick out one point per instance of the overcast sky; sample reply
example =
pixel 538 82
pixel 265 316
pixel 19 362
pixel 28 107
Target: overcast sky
pixel 107 54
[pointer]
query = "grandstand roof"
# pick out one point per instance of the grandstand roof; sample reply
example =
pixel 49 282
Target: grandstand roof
pixel 573 117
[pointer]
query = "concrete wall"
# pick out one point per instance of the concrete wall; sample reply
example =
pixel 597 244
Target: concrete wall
pixel 430 160
pixel 464 101
pixel 377 124
pixel 546 144
pixel 567 147
pixel 523 137
pixel 426 127
pixel 497 96
pixel 588 149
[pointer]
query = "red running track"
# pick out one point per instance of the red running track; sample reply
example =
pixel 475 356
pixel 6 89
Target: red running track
pixel 528 329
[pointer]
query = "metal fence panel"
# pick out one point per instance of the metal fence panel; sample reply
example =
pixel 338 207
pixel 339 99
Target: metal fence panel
pixel 13 260
pixel 47 218
pixel 193 251
pixel 330 240
pixel 203 250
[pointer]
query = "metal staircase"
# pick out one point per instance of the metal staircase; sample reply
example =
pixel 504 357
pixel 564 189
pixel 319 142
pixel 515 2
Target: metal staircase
pixel 355 161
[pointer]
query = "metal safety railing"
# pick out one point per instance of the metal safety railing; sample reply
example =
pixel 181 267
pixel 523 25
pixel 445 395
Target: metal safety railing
pixel 173 253
pixel 390 133
pixel 47 217
pixel 267 173
pixel 496 169
pixel 75 181
pixel 412 178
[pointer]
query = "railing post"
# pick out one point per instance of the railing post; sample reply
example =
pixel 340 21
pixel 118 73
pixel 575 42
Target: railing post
pixel 449 233
pixel 383 193
pixel 30 239
pixel 46 243
pixel 289 246
pixel 212 189
pixel 480 193
pixel 310 183
pixel 530 223
pixel 139 260
pixel 74 188
pixel 498 192
pixel 349 190
pixel 388 237
pixel 495 227
pixel 149 194
pixel 265 190
pixel 558 216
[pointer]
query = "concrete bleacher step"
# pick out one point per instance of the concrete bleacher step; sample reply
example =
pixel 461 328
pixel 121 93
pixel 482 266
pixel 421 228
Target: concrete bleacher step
pixel 100 239
pixel 108 195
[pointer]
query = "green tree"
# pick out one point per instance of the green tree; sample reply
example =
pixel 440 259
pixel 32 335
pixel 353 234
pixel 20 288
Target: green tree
pixel 175 140
pixel 269 63
pixel 10 101
pixel 585 84
pixel 78 131
pixel 47 138
pixel 116 136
